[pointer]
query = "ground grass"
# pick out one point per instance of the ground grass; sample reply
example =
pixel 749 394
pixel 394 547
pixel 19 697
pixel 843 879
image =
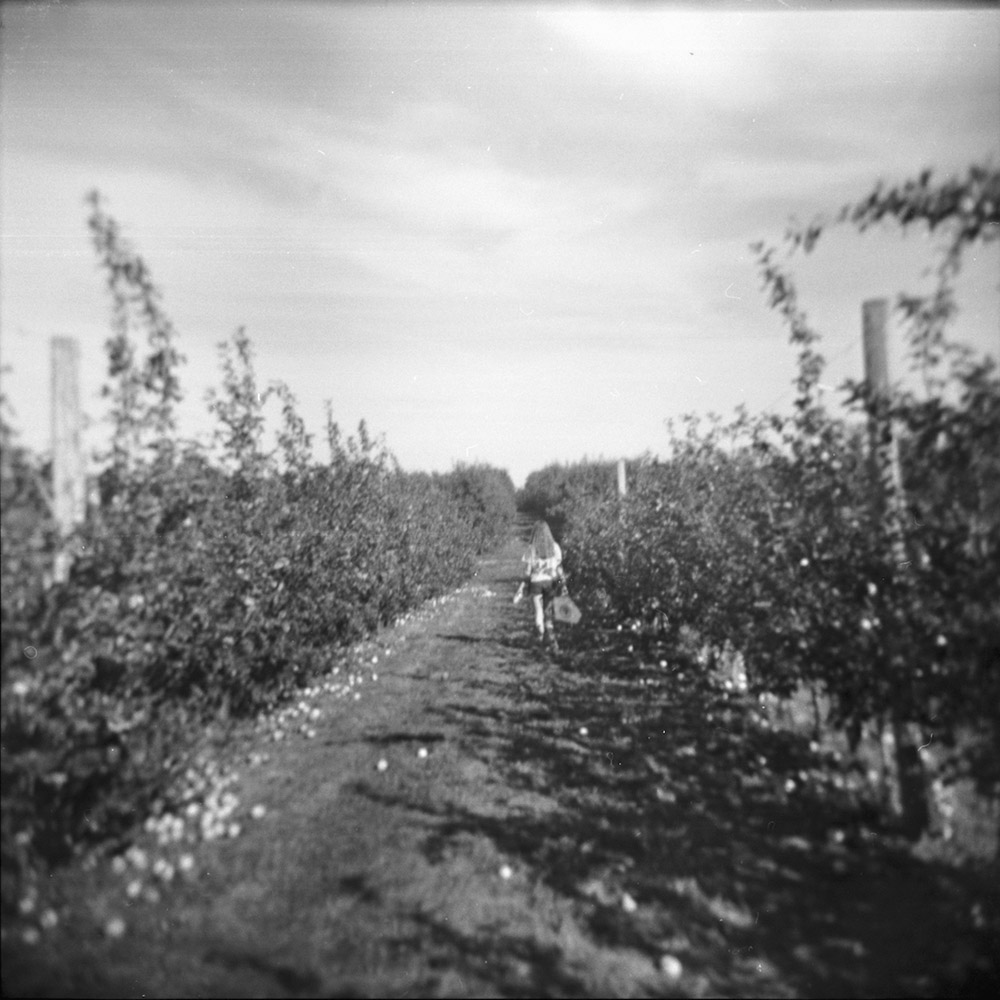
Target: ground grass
pixel 470 817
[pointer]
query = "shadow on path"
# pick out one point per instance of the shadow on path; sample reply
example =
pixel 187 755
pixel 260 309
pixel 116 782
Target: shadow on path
pixel 685 827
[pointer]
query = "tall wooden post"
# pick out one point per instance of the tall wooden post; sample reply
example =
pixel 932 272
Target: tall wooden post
pixel 888 481
pixel 909 784
pixel 69 488
pixel 622 487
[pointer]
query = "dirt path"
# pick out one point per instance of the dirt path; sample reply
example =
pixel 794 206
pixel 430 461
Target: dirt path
pixel 580 827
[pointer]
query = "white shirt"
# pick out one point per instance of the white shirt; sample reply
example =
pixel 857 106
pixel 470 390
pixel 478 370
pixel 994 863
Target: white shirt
pixel 543 570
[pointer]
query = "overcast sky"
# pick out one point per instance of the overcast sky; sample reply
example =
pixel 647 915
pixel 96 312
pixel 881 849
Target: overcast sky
pixel 506 232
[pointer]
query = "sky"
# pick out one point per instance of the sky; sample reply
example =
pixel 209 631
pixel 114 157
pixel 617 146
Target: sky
pixel 514 233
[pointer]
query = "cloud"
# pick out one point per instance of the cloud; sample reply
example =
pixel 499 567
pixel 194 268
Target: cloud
pixel 461 192
pixel 718 57
pixel 827 86
pixel 736 58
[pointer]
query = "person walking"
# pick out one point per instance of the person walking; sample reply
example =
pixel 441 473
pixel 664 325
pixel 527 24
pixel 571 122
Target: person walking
pixel 543 579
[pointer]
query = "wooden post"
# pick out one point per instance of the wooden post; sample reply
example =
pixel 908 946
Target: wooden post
pixel 909 796
pixel 622 488
pixel 69 496
pixel 888 480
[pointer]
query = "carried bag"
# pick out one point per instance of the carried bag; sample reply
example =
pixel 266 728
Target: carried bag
pixel 565 610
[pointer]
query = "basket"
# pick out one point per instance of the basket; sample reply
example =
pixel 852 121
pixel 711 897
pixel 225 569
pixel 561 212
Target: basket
pixel 565 610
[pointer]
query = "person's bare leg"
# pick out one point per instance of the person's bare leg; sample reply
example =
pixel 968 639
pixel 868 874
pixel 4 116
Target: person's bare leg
pixel 536 600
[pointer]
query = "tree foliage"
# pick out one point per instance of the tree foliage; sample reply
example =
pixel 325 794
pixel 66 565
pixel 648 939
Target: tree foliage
pixel 487 499
pixel 211 582
pixel 764 533
pixel 143 393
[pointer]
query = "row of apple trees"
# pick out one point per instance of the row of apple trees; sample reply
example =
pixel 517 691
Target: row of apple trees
pixel 208 582
pixel 787 537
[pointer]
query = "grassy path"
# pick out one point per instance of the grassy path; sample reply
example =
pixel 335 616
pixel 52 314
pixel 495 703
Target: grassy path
pixel 588 826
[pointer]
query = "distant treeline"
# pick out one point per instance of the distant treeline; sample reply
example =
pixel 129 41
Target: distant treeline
pixel 551 492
